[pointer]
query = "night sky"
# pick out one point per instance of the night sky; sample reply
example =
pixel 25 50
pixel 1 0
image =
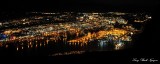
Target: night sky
pixel 54 4
pixel 20 6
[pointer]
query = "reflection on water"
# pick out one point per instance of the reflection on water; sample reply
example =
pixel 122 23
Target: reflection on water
pixel 17 48
pixel 6 46
pixel 114 39
pixel 98 41
pixel 28 46
pixel 102 43
pixel 22 47
pixel 87 32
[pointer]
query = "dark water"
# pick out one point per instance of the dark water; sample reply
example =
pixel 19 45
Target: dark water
pixel 53 48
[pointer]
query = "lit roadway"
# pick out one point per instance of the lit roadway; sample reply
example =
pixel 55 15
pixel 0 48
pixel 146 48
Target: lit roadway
pixel 99 35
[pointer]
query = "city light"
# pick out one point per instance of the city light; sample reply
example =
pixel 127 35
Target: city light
pixel 71 29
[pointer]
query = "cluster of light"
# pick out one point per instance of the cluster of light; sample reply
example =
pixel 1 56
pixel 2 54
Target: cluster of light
pixel 99 35
pixel 68 53
pixel 81 29
pixel 119 46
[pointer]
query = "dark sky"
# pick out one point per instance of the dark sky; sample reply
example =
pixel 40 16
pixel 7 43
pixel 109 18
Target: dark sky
pixel 78 4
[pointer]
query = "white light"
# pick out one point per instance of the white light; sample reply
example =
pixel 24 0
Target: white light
pixel 0 24
pixel 149 17
pixel 47 19
pixel 24 23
